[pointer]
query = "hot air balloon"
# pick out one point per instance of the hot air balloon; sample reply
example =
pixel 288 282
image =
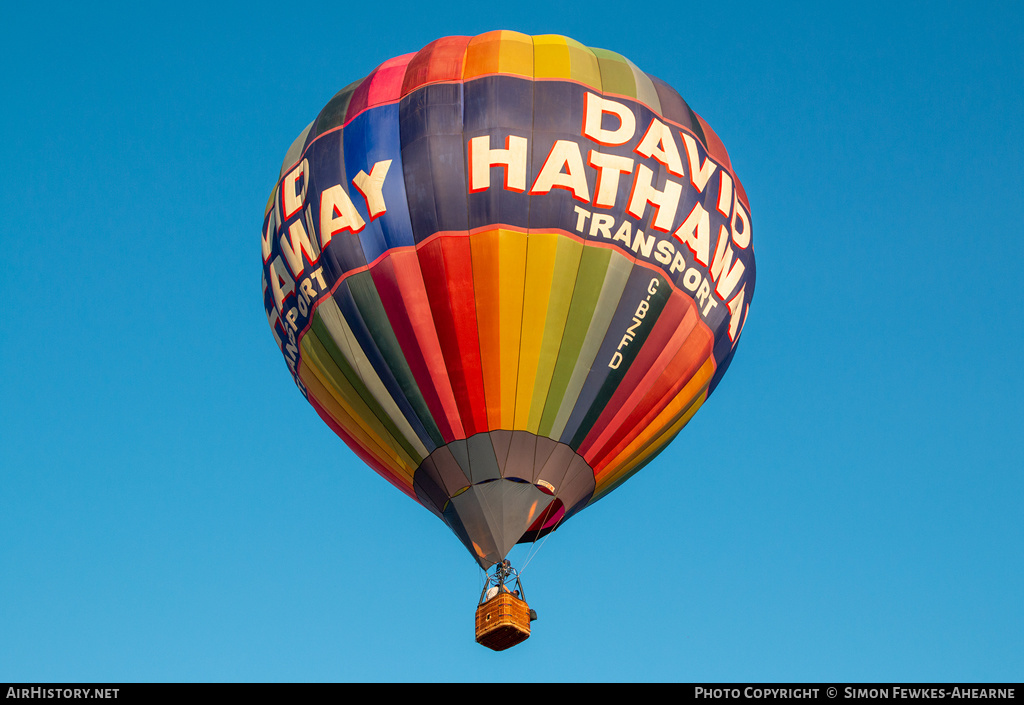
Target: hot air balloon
pixel 507 270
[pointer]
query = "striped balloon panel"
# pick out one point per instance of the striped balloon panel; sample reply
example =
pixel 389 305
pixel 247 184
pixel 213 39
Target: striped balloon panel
pixel 458 315
pixel 515 333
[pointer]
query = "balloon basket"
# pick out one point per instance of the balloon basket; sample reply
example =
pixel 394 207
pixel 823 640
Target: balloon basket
pixel 502 622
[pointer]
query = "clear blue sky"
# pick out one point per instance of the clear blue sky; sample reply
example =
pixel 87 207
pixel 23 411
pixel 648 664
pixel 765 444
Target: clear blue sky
pixel 855 513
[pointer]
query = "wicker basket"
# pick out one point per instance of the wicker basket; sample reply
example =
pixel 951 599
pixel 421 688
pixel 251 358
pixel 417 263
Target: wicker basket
pixel 502 622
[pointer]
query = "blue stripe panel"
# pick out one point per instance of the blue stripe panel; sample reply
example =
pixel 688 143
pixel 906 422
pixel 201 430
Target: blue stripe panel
pixel 557 116
pixel 498 107
pixel 370 138
pixel 433 153
pixel 327 168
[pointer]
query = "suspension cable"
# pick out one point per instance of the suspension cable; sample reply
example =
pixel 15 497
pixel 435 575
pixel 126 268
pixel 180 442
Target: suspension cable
pixel 535 549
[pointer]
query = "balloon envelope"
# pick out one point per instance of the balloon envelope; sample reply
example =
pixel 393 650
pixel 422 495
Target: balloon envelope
pixel 506 271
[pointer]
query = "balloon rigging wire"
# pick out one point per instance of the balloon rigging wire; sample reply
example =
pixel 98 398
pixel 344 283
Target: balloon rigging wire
pixel 535 549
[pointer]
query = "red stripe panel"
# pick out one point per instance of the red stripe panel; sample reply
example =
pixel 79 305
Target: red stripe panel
pixel 408 279
pixel 715 147
pixel 441 60
pixel 655 388
pixel 357 103
pixel 643 372
pixel 386 82
pixel 432 260
pixel 390 292
pixel 684 365
pixel 458 258
pixel 453 303
pixel 741 193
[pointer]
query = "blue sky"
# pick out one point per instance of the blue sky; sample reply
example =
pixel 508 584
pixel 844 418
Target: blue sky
pixel 173 510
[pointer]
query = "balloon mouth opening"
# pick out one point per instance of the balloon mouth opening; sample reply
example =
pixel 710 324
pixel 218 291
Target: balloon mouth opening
pixel 545 523
pixel 497 489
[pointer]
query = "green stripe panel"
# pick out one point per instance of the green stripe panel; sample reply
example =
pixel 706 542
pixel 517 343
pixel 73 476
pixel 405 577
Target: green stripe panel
pixel 589 279
pixel 616 75
pixel 583 64
pixel 333 114
pixel 615 277
pixel 364 293
pixel 318 358
pixel 341 333
pixel 344 368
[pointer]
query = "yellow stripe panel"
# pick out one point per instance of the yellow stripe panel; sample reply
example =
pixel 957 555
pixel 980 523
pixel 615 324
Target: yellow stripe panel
pixel 345 419
pixel 567 265
pixel 516 54
pixel 319 362
pixel 484 248
pixel 540 266
pixel 511 283
pixel 664 426
pixel 551 57
pixel 501 51
pixel 343 337
pixel 543 56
